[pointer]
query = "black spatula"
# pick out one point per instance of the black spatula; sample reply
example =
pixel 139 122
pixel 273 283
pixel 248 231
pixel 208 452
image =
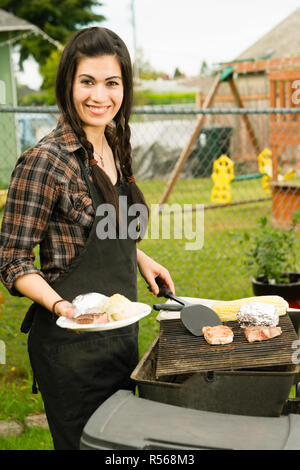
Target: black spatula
pixel 193 316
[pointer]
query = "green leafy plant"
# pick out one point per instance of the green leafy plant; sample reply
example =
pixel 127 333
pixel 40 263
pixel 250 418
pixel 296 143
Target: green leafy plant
pixel 272 254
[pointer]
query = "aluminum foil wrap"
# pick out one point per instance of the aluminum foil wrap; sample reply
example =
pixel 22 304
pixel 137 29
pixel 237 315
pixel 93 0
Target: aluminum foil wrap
pixel 257 314
pixel 89 303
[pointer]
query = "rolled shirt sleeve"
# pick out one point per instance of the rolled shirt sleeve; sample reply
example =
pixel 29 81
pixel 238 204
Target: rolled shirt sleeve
pixel 30 201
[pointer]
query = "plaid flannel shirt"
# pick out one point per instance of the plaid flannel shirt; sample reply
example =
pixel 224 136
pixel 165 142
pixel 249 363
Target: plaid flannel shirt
pixel 48 204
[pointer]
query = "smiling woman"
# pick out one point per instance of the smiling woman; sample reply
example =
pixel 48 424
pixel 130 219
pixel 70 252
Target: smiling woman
pixel 53 201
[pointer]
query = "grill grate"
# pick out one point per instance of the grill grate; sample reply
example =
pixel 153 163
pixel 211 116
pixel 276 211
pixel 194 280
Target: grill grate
pixel 180 352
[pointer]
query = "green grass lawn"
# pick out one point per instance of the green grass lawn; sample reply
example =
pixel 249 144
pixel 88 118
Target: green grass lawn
pixel 32 439
pixel 216 271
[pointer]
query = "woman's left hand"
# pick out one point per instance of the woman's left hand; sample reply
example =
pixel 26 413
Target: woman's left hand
pixel 150 269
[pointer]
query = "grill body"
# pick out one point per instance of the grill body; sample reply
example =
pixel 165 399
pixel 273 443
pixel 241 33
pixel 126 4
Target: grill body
pixel 250 392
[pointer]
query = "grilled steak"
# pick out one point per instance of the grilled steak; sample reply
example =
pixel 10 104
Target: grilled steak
pixel 89 318
pixel 218 334
pixel 262 333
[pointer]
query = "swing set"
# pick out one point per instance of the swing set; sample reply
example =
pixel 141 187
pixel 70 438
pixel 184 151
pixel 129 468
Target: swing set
pixel 284 130
pixel 223 176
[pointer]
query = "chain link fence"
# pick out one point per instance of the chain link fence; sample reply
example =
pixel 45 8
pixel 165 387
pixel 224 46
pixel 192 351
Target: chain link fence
pixel 219 172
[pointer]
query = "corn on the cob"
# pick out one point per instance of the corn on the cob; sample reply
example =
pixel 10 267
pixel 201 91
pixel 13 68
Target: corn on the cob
pixel 228 309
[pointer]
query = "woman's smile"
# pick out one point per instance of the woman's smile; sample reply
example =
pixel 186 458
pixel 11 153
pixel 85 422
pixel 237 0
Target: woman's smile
pixel 98 110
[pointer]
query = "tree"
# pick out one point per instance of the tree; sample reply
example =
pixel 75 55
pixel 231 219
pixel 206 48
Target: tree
pixel 48 71
pixel 204 69
pixel 145 70
pixel 59 19
pixel 177 73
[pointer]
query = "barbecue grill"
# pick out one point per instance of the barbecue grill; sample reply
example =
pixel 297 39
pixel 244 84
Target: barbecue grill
pixel 196 396
pixel 242 378
pixel 251 392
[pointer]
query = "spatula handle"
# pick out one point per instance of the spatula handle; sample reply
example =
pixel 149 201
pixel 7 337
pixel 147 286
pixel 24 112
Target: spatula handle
pixel 168 307
pixel 163 290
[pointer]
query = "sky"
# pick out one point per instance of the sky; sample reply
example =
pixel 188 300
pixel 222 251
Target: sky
pixel 183 33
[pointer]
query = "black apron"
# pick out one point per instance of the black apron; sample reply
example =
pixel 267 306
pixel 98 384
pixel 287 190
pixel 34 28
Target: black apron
pixel 76 372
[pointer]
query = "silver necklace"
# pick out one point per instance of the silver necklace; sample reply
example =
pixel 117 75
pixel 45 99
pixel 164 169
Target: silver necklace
pixel 100 156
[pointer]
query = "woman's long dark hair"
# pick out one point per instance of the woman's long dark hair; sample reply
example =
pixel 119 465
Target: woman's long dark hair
pixel 95 42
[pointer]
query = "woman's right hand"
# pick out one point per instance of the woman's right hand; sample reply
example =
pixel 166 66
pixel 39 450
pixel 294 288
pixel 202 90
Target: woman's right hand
pixel 65 309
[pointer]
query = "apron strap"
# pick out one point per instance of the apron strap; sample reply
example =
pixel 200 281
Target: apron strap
pixel 25 328
pixel 34 388
pixel 28 319
pixel 94 192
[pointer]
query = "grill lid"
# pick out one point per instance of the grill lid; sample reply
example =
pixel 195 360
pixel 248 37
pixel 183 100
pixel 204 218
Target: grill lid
pixel 179 352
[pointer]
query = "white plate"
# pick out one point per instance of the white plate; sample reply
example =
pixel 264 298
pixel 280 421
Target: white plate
pixel 142 310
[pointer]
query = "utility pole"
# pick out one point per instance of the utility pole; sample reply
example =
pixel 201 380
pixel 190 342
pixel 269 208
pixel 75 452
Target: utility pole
pixel 136 67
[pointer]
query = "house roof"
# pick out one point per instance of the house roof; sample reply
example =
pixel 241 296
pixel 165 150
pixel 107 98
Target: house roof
pixel 281 41
pixel 9 22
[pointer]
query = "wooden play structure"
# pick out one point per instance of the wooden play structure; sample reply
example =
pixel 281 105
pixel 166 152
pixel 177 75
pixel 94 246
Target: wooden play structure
pixel 283 129
pixel 285 202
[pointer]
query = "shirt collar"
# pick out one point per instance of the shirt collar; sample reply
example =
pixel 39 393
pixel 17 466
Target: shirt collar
pixel 65 135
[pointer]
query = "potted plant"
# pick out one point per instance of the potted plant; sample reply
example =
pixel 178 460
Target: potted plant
pixel 272 254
